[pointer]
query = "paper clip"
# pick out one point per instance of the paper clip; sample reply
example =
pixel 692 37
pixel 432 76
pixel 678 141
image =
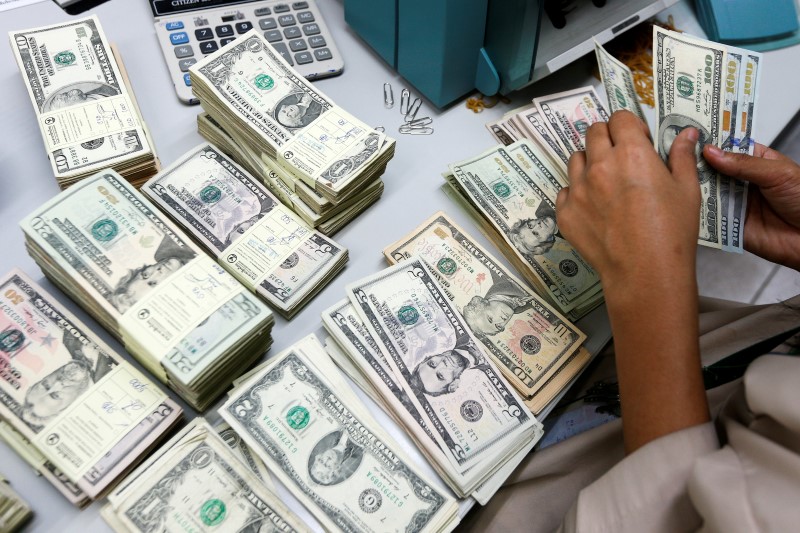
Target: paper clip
pixel 406 130
pixel 388 96
pixel 420 122
pixel 412 109
pixel 405 98
pixel 380 129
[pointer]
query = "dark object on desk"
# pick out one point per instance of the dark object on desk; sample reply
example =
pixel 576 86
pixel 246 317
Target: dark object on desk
pixel 749 24
pixel 73 7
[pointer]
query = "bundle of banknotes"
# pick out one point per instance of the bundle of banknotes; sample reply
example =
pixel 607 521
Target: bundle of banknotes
pixel 401 337
pixel 14 511
pixel 184 317
pixel 256 238
pixel 79 413
pixel 84 104
pixel 712 87
pixel 536 348
pixel 298 413
pixel 697 83
pixel 282 129
pixel 511 193
pixel 204 479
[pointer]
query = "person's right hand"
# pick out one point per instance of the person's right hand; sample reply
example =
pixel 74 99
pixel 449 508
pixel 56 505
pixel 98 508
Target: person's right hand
pixel 772 227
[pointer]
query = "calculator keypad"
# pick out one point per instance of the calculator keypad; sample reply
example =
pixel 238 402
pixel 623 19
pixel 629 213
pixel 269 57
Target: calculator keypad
pixel 292 28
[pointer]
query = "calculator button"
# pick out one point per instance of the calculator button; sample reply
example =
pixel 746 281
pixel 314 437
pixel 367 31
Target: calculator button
pixel 300 5
pixel 316 41
pixel 244 27
pixel 263 12
pixel 322 54
pixel 281 8
pixel 273 36
pixel 224 31
pixel 183 51
pixel 176 25
pixel 204 34
pixel 286 20
pixel 184 64
pixel 281 48
pixel 179 37
pixel 223 42
pixel 211 46
pixel 297 45
pixel 303 57
pixel 305 17
pixel 268 24
pixel 311 29
pixel 187 80
pixel 292 32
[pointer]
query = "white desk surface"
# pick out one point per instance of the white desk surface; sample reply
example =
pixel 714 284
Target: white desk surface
pixel 413 179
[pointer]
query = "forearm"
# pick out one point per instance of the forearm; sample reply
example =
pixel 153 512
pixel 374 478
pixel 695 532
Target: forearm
pixel 655 323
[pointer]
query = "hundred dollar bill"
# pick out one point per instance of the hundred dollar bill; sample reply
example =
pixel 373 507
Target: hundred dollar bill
pixel 730 110
pixel 688 92
pixel 199 485
pixel 618 81
pixel 255 237
pixel 569 114
pixel 523 215
pixel 178 312
pixel 89 413
pixel 500 132
pixel 528 339
pixel 285 115
pixel 329 452
pixel 85 110
pixel 748 82
pixel 466 402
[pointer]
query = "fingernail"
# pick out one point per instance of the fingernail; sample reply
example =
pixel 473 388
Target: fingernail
pixel 693 135
pixel 713 150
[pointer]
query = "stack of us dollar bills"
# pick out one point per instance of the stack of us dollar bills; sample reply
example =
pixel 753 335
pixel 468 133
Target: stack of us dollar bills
pixel 697 83
pixel 536 348
pixel 204 479
pixel 79 413
pixel 401 337
pixel 511 193
pixel 316 436
pixel 83 101
pixel 256 238
pixel 712 87
pixel 14 511
pixel 184 317
pixel 326 162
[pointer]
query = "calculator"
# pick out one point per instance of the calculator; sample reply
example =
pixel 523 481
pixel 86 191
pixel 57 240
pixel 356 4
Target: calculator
pixel 188 30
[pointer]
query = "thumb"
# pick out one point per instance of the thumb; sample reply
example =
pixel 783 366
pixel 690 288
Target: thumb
pixel 761 171
pixel 682 158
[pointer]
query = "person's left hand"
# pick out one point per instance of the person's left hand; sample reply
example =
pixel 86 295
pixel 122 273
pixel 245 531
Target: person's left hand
pixel 632 218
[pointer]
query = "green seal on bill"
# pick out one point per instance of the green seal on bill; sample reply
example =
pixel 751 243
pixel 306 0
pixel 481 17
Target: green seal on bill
pixel 502 190
pixel 104 230
pixel 447 266
pixel 264 82
pixel 64 58
pixel 213 512
pixel 210 194
pixel 685 86
pixel 298 417
pixel 408 315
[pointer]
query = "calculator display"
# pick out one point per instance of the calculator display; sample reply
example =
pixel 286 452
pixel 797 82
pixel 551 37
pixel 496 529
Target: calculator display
pixel 172 7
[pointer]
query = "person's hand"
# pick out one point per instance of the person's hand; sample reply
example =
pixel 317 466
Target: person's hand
pixel 626 213
pixel 772 227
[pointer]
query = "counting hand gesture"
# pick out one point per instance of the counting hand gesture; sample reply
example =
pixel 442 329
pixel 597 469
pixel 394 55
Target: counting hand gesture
pixel 626 213
pixel 772 227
